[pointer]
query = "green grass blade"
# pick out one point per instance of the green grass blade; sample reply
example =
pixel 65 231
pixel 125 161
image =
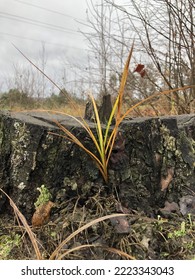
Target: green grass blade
pixel 99 132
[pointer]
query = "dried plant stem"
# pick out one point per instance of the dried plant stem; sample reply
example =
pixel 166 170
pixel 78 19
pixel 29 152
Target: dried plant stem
pixel 59 248
pixel 26 226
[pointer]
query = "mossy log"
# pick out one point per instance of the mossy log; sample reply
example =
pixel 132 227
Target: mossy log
pixel 153 161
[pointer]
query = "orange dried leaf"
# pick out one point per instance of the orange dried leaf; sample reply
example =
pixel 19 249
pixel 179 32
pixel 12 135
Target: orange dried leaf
pixel 42 214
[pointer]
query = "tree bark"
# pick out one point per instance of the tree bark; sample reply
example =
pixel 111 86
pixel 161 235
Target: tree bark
pixel 153 161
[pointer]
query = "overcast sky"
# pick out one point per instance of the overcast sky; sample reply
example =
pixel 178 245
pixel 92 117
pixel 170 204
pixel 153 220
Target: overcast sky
pixel 28 24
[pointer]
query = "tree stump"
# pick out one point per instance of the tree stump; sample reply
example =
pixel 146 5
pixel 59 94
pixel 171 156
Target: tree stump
pixel 152 163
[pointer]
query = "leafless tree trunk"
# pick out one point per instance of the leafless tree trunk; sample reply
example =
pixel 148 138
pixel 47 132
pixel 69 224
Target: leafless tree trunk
pixel 43 60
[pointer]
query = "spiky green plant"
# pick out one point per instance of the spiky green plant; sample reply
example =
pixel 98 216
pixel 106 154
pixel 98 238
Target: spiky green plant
pixel 105 137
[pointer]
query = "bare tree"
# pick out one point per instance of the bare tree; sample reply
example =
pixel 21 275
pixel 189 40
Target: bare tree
pixel 27 79
pixel 166 31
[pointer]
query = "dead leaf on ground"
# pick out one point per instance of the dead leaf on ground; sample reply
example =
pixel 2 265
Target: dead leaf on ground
pixel 121 224
pixel 187 204
pixel 170 207
pixel 42 214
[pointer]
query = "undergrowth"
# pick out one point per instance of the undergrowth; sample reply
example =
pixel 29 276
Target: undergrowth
pixel 57 253
pixel 80 233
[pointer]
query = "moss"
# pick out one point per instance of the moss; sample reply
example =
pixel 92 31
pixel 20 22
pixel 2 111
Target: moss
pixel 20 142
pixel 170 150
pixel 169 142
pixel 177 153
pixel 187 146
pixel 70 182
pixel 183 148
pixel 44 196
pixel 7 243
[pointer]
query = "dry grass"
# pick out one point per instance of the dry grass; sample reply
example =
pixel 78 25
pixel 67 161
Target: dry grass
pixel 56 253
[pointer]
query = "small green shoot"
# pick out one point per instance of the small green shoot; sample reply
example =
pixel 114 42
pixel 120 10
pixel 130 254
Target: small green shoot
pixel 192 223
pixel 7 243
pixel 44 196
pixel 178 233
